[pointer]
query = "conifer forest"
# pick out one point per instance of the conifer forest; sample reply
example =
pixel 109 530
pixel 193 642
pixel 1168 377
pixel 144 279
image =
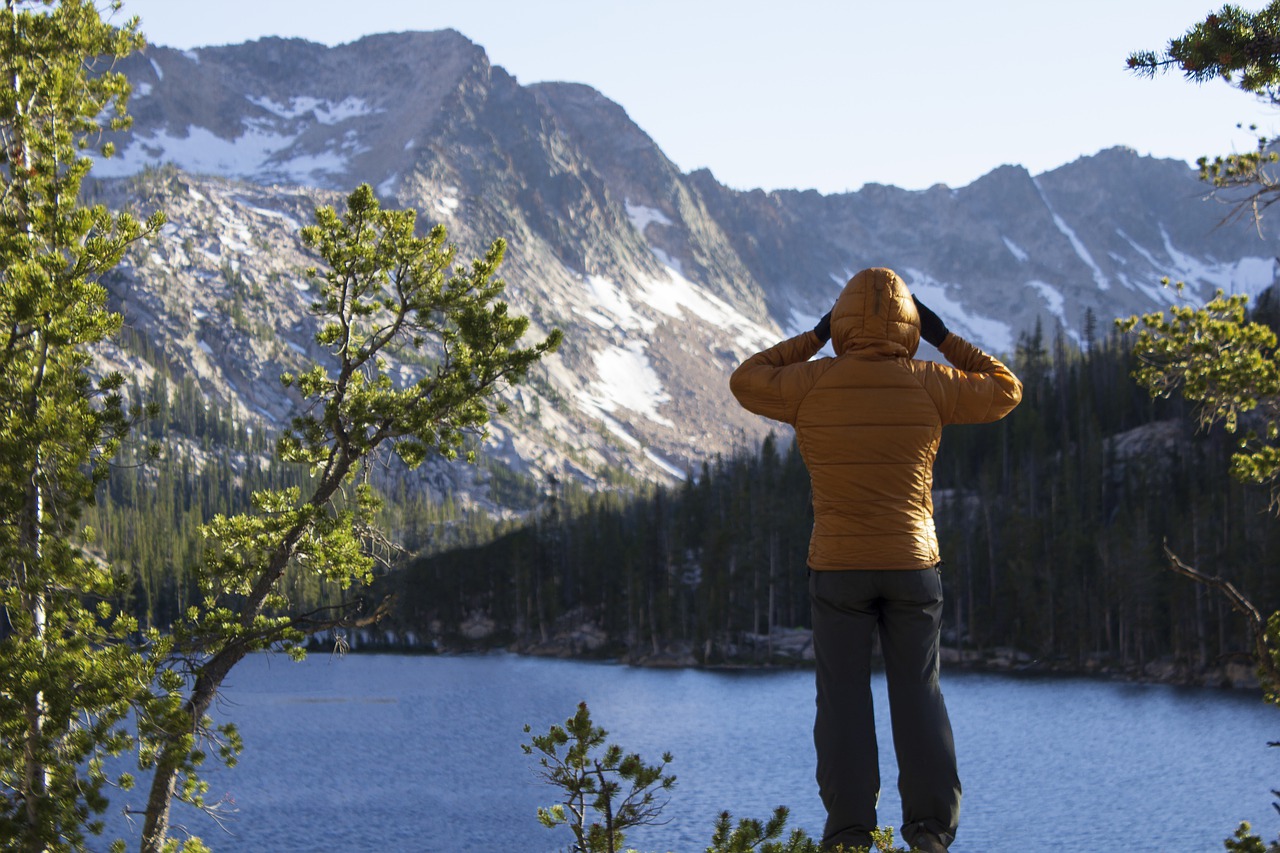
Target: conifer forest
pixel 1051 524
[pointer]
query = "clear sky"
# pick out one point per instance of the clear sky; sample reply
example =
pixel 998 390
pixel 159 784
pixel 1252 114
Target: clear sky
pixel 817 93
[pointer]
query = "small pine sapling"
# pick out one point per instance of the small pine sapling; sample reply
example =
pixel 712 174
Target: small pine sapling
pixel 752 836
pixel 606 791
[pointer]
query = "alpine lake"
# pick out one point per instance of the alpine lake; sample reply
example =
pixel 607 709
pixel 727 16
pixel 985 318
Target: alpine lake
pixel 422 754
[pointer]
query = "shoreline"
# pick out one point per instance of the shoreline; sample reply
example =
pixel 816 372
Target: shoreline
pixel 792 650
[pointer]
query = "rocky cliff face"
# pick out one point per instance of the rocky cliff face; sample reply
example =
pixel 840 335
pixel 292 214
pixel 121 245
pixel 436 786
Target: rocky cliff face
pixel 662 281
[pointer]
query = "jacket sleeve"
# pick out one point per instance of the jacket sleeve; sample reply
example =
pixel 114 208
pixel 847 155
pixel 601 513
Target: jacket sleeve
pixel 979 390
pixel 773 382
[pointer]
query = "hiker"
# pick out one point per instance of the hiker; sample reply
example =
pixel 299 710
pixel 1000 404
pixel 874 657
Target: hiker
pixel 868 423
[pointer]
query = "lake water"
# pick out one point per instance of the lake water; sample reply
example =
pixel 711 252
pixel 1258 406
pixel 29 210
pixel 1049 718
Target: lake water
pixel 395 753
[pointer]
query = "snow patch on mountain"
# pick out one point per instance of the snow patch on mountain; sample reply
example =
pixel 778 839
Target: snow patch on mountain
pixel 986 332
pixel 257 153
pixel 675 295
pixel 1148 284
pixel 1153 290
pixel 199 151
pixel 1077 244
pixel 1247 275
pixel 642 216
pixel 306 168
pixel 1052 298
pixel 447 204
pixel 607 306
pixel 1055 302
pixel 616 429
pixel 665 465
pixel 667 261
pixel 1146 255
pixel 627 381
pixel 325 112
pixel 1015 250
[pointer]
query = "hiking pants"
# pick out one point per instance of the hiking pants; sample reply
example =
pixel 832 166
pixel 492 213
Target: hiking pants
pixel 906 608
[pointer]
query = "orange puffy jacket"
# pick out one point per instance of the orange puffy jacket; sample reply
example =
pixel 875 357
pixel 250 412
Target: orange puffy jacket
pixel 868 421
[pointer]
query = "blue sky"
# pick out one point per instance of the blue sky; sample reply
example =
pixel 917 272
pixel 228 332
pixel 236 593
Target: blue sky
pixel 816 93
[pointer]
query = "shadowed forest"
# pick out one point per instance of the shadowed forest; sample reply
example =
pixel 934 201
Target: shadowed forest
pixel 1051 524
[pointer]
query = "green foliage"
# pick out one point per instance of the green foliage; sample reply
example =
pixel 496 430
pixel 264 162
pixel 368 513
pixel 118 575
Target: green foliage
pixel 70 665
pixel 1218 358
pixel 1225 364
pixel 1234 44
pixel 385 289
pixel 1242 48
pixel 382 289
pixel 605 790
pixel 750 834
pixel 1245 841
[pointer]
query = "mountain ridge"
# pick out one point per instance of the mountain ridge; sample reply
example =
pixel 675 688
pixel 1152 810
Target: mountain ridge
pixel 662 280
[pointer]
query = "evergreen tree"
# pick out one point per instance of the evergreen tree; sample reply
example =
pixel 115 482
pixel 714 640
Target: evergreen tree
pixel 606 791
pixel 1241 47
pixel 67 674
pixel 1051 525
pixel 1216 356
pixel 383 290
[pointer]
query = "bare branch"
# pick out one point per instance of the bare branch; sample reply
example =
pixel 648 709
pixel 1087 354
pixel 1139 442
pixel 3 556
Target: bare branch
pixel 314 622
pixel 1262 654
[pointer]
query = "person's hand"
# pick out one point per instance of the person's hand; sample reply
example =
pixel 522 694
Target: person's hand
pixel 823 329
pixel 932 329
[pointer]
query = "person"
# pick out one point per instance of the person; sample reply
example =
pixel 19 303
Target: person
pixel 868 423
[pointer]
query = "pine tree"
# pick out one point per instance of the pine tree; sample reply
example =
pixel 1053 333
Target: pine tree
pixel 1216 356
pixel 384 289
pixel 1242 48
pixel 67 676
pixel 1224 362
pixel 605 791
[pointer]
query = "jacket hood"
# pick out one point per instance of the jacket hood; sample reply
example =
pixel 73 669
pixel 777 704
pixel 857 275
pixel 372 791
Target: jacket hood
pixel 875 315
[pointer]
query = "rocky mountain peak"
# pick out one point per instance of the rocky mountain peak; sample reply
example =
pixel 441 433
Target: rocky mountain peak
pixel 292 111
pixel 662 281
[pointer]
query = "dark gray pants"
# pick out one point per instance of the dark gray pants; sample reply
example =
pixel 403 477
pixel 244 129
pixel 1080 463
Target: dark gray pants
pixel 906 608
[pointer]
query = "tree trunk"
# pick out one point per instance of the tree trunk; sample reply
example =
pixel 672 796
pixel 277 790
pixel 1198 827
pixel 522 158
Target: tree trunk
pixel 210 676
pixel 35 774
pixel 164 784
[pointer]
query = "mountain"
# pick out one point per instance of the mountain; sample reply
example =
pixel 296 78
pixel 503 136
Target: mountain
pixel 662 281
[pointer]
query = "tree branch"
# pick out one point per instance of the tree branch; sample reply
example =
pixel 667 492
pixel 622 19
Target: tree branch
pixel 1262 653
pixel 313 623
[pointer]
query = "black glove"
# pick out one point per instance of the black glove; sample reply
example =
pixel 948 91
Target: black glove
pixel 823 329
pixel 932 329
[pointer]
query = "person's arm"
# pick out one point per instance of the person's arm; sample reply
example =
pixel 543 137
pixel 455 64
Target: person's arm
pixel 989 390
pixel 982 389
pixel 773 382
